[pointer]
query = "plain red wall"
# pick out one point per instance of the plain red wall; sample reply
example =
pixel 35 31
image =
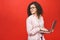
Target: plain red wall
pixel 13 14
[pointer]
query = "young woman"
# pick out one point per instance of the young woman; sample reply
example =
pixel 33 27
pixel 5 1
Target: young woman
pixel 35 22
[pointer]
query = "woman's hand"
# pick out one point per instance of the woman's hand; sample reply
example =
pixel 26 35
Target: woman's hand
pixel 44 29
pixel 51 30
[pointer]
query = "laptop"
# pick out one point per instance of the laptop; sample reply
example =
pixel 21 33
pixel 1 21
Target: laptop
pixel 53 25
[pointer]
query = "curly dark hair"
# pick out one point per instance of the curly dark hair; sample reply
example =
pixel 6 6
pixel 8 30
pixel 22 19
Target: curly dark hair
pixel 38 6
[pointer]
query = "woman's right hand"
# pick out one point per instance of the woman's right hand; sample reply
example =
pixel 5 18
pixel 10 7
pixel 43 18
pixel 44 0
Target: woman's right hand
pixel 44 29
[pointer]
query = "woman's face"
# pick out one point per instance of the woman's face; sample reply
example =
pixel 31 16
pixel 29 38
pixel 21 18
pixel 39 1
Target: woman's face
pixel 33 9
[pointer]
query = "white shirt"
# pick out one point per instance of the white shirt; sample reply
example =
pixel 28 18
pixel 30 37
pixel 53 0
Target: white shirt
pixel 33 24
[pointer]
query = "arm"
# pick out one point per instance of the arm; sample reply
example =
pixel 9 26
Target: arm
pixel 30 29
pixel 44 30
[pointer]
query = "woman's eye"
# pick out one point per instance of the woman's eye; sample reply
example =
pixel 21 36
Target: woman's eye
pixel 32 7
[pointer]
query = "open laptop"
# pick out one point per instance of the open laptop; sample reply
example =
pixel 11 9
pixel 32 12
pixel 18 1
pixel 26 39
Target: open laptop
pixel 53 25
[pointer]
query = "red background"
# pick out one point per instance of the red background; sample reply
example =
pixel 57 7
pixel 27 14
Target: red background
pixel 13 14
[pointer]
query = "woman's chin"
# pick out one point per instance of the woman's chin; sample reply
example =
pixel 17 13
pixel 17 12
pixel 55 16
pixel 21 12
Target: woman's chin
pixel 33 13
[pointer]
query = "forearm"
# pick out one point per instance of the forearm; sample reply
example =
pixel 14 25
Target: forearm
pixel 38 30
pixel 34 31
pixel 45 32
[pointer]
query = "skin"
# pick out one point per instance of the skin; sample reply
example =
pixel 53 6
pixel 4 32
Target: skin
pixel 33 11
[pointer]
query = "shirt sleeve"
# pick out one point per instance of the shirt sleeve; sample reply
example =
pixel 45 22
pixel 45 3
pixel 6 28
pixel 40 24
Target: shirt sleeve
pixel 42 21
pixel 42 24
pixel 30 28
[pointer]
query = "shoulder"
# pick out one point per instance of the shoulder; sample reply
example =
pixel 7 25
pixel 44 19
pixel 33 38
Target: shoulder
pixel 29 18
pixel 41 17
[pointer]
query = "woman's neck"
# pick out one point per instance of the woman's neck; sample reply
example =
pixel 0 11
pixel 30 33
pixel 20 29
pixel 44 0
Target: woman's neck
pixel 36 15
